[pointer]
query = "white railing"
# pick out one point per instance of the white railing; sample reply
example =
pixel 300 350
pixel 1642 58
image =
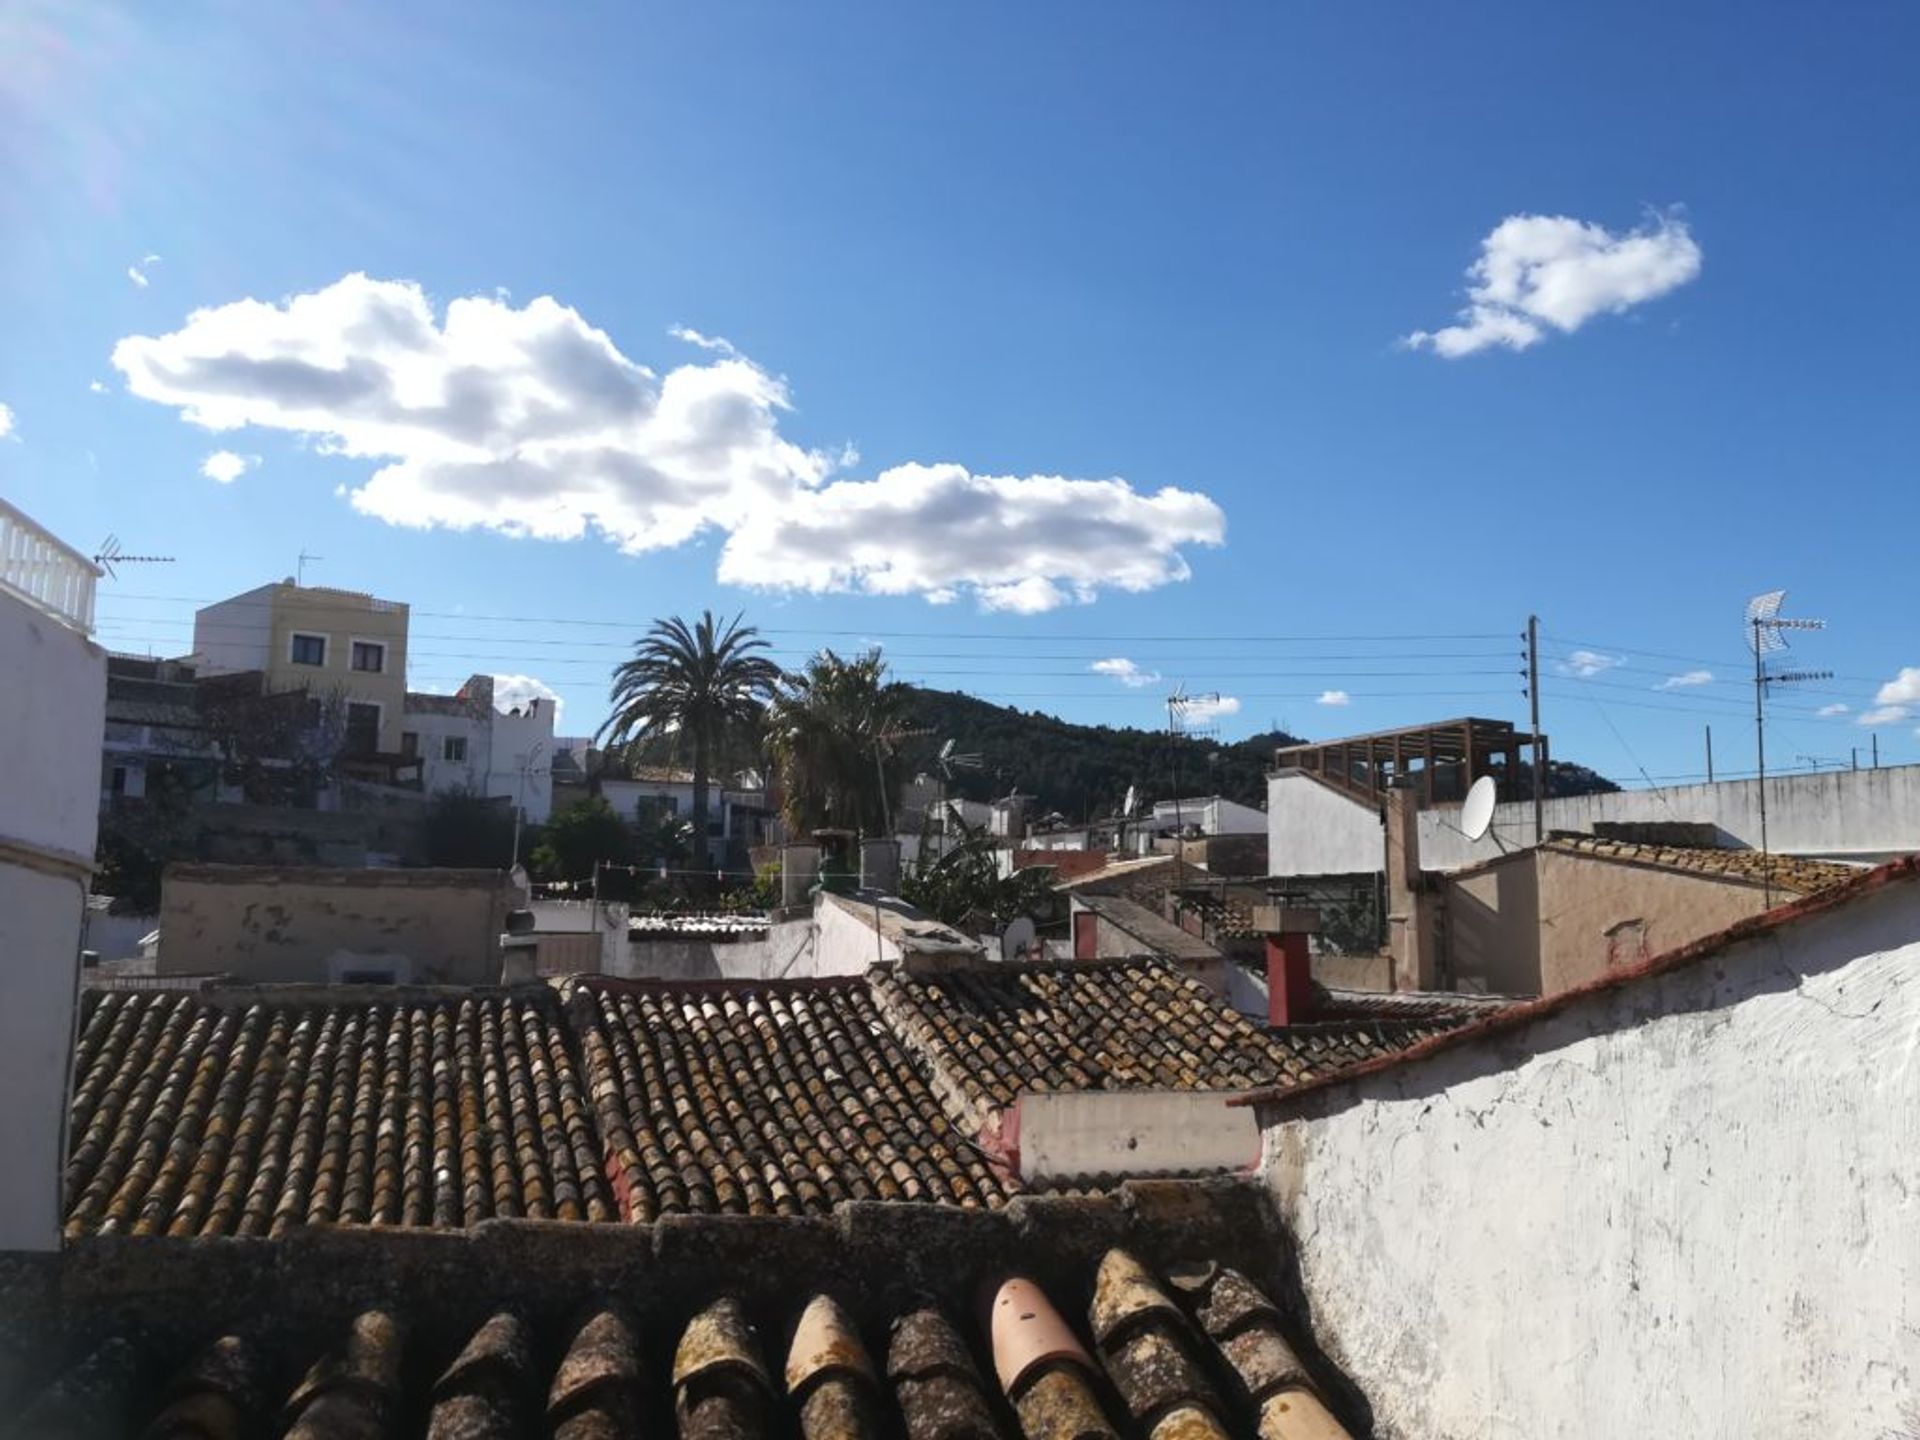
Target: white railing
pixel 45 571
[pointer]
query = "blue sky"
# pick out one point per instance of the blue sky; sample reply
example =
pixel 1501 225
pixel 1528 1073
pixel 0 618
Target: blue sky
pixel 1046 248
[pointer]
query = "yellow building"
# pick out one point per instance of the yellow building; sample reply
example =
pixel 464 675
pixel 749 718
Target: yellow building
pixel 338 645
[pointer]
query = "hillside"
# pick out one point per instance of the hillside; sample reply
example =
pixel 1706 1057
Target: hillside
pixel 1083 771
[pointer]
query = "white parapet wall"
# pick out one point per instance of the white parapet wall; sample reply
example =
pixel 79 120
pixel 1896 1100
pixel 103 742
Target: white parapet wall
pixel 1861 815
pixel 52 720
pixel 1682 1205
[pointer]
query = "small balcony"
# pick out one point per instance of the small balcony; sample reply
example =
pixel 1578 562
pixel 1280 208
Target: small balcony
pixel 45 572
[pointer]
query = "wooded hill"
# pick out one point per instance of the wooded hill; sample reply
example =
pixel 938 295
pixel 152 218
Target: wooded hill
pixel 1083 771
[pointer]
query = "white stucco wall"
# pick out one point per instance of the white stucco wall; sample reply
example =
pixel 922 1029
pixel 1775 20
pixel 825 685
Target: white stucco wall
pixel 438 773
pixel 1867 815
pixel 523 740
pixel 1681 1207
pixel 1862 815
pixel 1312 829
pixel 52 718
pixel 234 634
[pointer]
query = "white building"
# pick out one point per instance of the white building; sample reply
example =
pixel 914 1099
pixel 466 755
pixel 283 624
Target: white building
pixel 52 716
pixel 465 742
pixel 1208 815
pixel 737 805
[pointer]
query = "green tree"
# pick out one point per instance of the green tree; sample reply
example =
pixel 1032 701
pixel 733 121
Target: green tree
pixel 576 837
pixel 965 889
pixel 834 730
pixel 702 684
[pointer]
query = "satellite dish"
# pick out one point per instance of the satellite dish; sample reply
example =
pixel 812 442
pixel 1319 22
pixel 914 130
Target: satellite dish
pixel 1476 816
pixel 1126 805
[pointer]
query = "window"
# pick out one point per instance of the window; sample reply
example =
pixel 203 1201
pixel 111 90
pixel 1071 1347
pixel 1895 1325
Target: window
pixel 308 649
pixel 453 749
pixel 369 656
pixel 409 743
pixel 363 728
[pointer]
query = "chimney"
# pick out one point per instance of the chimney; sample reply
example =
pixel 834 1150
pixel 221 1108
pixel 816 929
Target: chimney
pixel 1289 966
pixel 1409 913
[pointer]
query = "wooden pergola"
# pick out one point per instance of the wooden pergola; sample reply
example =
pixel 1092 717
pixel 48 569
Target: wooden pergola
pixel 1445 759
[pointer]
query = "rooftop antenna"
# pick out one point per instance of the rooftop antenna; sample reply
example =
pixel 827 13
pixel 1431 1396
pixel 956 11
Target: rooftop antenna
pixel 300 574
pixel 1765 626
pixel 885 743
pixel 948 761
pixel 110 554
pixel 1179 705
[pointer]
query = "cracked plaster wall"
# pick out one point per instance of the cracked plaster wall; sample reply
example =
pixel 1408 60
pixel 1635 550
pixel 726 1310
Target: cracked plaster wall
pixel 1689 1205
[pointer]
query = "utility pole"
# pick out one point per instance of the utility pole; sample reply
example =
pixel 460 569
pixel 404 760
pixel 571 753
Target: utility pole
pixel 1876 749
pixel 1533 698
pixel 1760 743
pixel 1709 754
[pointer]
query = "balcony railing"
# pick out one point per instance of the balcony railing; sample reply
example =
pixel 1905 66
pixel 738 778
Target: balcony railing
pixel 44 571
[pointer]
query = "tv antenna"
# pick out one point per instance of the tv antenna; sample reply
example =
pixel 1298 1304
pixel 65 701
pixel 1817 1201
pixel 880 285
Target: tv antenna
pixel 110 555
pixel 887 743
pixel 1766 627
pixel 1180 706
pixel 948 761
pixel 300 573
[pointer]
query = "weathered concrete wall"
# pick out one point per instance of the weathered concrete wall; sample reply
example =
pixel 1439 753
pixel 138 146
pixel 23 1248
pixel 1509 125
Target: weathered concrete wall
pixel 284 925
pixel 1864 815
pixel 1491 920
pixel 1312 829
pixel 844 944
pixel 1068 1135
pixel 696 959
pixel 1541 921
pixel 53 695
pixel 1681 1206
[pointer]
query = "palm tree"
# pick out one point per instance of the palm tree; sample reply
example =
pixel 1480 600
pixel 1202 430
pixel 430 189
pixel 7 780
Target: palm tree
pixel 833 729
pixel 703 684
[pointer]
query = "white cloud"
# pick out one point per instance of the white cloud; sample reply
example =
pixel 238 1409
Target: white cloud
pixel 719 344
pixel 1585 664
pixel 1537 272
pixel 1334 697
pixel 531 422
pixel 6 422
pixel 1198 711
pixel 1126 672
pixel 1903 689
pixel 511 691
pixel 1883 715
pixel 96 387
pixel 1829 711
pixel 225 467
pixel 137 272
pixel 1686 681
pixel 1022 543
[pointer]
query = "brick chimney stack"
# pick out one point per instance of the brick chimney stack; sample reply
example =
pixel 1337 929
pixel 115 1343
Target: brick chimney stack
pixel 1289 965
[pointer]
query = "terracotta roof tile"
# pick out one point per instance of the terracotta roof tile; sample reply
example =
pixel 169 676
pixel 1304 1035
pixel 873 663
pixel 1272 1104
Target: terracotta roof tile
pixel 765 1099
pixel 1192 1352
pixel 1100 1025
pixel 1787 872
pixel 249 1113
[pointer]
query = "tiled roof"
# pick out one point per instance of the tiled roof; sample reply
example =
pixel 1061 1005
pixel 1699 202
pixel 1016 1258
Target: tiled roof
pixel 1787 872
pixel 1407 1005
pixel 1077 1323
pixel 765 1099
pixel 246 1116
pixel 1084 1025
pixel 1156 934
